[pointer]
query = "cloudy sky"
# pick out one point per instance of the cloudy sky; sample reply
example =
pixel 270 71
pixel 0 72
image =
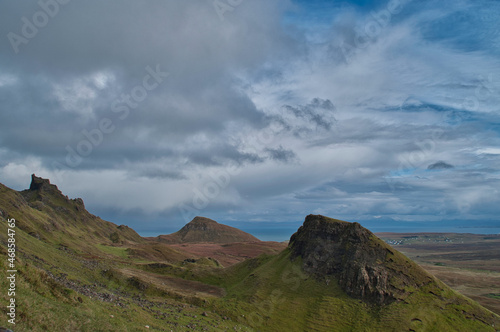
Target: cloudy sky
pixel 256 113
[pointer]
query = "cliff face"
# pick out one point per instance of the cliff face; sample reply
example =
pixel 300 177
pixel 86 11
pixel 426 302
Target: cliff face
pixel 38 183
pixel 41 190
pixel 202 229
pixel 45 213
pixel 365 266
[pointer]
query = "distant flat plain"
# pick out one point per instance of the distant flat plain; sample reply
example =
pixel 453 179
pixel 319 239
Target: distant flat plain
pixel 468 263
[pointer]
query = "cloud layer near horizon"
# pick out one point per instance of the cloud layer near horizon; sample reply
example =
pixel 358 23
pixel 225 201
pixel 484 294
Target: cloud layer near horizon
pixel 278 110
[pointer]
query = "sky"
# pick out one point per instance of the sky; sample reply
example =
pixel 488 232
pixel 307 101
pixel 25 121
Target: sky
pixel 257 113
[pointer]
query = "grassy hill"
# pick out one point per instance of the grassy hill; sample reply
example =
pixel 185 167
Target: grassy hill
pixel 274 294
pixel 302 290
pixel 77 272
pixel 71 270
pixel 46 214
pixel 202 229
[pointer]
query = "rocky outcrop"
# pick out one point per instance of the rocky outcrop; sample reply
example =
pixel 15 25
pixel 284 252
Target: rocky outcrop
pixel 365 266
pixel 60 215
pixel 43 185
pixel 40 183
pixel 42 192
pixel 202 229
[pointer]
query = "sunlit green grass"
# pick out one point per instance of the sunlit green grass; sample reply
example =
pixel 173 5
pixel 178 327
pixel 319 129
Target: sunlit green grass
pixel 277 296
pixel 267 293
pixel 116 251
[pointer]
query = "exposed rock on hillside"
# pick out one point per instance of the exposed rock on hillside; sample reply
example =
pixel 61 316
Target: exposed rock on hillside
pixel 202 229
pixel 42 190
pixel 365 266
pixel 45 213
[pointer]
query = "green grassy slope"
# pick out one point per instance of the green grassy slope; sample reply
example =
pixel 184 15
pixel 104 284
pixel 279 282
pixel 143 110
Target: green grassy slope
pixel 276 295
pixel 77 272
pixel 67 280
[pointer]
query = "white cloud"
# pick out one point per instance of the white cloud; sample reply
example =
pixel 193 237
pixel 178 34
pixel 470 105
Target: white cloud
pixel 492 150
pixel 251 91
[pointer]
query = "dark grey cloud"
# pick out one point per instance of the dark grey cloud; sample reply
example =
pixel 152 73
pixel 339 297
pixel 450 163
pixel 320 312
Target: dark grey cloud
pixel 319 112
pixel 265 104
pixel 440 165
pixel 78 66
pixel 221 155
pixel 281 154
pixel 159 173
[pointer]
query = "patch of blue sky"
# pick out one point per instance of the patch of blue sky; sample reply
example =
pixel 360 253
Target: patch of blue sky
pixel 315 17
pixel 463 25
pixel 321 5
pixel 470 27
pixel 402 172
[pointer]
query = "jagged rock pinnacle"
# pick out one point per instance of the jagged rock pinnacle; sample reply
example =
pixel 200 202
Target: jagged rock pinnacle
pixel 41 188
pixel 363 264
pixel 39 183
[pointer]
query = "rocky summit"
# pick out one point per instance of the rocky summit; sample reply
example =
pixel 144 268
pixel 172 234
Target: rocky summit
pixel 202 229
pixel 38 183
pixel 364 265
pixel 42 190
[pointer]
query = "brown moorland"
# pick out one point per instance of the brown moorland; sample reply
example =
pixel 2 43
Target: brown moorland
pixel 231 253
pixel 468 263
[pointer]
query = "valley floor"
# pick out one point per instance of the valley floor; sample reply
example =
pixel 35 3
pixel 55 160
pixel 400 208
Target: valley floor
pixel 468 263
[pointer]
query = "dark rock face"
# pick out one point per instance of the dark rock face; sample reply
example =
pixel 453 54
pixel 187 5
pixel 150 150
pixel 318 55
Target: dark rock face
pixel 200 223
pixel 351 254
pixel 79 201
pixel 3 329
pixel 40 184
pixel 42 192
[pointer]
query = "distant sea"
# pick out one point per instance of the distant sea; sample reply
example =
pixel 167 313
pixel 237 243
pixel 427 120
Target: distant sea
pixel 472 230
pixel 282 231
